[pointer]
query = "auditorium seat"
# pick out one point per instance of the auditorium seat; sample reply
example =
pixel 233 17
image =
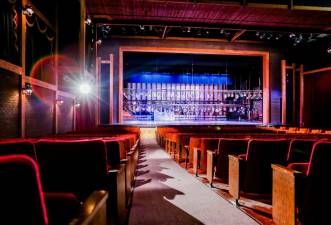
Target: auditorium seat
pixel 200 154
pixel 252 174
pixel 218 162
pixel 17 146
pixel 300 150
pixel 25 203
pixel 79 167
pixel 303 189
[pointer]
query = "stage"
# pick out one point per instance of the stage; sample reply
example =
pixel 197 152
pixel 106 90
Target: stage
pixel 201 122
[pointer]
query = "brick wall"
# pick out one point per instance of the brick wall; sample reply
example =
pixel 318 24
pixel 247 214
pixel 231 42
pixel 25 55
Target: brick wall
pixel 40 112
pixel 9 105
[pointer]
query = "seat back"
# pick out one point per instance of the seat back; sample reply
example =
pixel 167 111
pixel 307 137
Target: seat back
pixel 226 147
pixel 300 150
pixel 20 192
pixel 17 148
pixel 317 187
pixel 114 154
pixel 261 153
pixel 75 166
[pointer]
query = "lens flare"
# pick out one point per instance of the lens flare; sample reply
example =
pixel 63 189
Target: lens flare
pixel 85 89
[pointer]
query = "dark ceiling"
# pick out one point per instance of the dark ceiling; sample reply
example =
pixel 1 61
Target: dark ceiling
pixel 292 22
pixel 235 14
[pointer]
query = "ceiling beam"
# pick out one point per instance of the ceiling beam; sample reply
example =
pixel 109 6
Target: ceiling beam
pixel 164 32
pixel 237 35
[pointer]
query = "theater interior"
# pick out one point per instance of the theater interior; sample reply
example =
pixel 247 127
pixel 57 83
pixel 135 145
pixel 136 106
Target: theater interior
pixel 159 112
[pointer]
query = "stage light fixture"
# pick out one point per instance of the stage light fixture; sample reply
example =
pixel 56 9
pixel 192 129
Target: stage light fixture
pixel 142 27
pixel 99 42
pixel 27 89
pixel 328 50
pixel 85 88
pixel 28 11
pixel 88 21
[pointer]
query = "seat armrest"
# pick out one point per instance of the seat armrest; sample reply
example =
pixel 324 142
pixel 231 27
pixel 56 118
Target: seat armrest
pixel 210 166
pixel 284 194
pixel 93 210
pixel 236 167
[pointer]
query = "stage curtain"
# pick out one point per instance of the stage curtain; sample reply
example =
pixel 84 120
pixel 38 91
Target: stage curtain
pixel 39 45
pixel 9 43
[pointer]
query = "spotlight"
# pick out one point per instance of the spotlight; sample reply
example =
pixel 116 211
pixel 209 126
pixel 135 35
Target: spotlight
pixel 292 35
pixel 328 50
pixel 142 27
pixel 28 11
pixel 27 90
pixel 99 42
pixel 88 21
pixel 189 30
pixel 257 33
pixel 85 88
pixel 221 31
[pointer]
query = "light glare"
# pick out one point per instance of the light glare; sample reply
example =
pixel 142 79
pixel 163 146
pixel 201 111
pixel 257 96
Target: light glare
pixel 85 89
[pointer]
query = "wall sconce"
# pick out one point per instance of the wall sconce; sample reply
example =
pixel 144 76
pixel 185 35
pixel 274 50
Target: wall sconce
pixel 28 11
pixel 27 90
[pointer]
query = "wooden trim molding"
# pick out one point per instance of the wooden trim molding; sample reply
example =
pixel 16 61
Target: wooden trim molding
pixel 98 79
pixel 10 67
pixel 40 83
pixel 111 89
pixel 263 54
pixel 294 98
pixel 317 71
pixel 283 81
pixel 302 95
pixel 23 60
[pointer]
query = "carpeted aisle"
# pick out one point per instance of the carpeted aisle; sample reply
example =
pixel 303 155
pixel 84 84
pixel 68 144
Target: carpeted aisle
pixel 166 194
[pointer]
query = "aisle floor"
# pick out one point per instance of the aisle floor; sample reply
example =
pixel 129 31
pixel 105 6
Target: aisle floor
pixel 166 194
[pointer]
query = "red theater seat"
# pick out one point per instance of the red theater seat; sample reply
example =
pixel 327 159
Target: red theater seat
pixel 24 147
pixel 253 175
pixel 80 167
pixel 24 201
pixel 303 194
pixel 218 162
pixel 300 150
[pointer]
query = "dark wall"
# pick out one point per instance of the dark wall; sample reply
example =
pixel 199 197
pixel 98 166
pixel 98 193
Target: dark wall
pixel 9 105
pixel 40 112
pixel 65 113
pixel 113 45
pixel 317 100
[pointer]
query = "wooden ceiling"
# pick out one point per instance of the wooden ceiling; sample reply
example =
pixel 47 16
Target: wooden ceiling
pixel 245 14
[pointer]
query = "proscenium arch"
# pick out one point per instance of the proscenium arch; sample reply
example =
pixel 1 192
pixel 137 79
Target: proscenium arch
pixel 263 54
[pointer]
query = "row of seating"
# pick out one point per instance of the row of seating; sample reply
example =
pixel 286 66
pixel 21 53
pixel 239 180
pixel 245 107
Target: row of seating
pixel 72 169
pixel 264 164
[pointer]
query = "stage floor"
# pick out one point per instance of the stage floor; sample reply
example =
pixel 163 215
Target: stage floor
pixel 201 122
